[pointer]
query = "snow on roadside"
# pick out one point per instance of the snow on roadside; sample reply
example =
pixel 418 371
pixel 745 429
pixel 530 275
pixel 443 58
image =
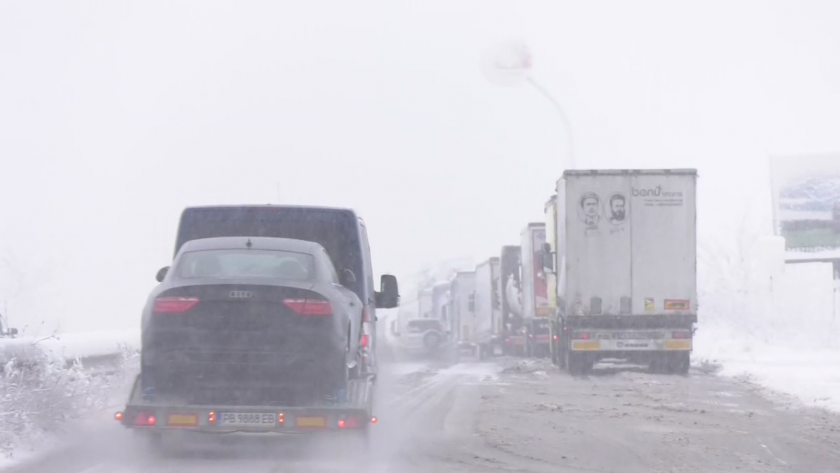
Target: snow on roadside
pixel 40 396
pixel 70 345
pixel 781 332
pixel 812 376
pixel 80 345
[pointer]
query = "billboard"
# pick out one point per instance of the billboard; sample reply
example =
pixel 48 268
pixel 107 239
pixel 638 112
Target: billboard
pixel 806 203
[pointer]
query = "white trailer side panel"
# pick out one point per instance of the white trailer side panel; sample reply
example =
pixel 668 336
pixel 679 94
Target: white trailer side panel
pixel 560 244
pixel 484 292
pixel 551 239
pixel 496 304
pixel 462 288
pixel 598 277
pixel 664 242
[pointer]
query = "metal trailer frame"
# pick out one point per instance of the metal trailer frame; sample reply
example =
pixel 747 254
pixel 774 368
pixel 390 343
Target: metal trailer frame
pixel 157 417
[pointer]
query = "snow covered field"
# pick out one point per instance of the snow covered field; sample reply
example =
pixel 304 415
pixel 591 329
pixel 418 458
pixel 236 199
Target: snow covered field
pixel 773 324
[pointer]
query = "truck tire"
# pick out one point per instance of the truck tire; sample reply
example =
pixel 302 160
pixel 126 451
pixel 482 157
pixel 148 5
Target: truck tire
pixel 679 362
pixel 560 350
pixel 573 362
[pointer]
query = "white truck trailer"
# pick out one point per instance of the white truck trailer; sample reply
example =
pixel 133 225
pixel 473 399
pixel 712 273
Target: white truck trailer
pixel 462 311
pixel 488 310
pixel 535 308
pixel 625 258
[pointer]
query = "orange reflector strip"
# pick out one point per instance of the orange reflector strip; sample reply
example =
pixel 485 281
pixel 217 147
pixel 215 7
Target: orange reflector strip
pixel 182 420
pixel 671 304
pixel 311 422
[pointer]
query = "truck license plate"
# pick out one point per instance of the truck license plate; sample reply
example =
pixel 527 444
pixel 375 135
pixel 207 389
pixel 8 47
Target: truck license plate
pixel 248 418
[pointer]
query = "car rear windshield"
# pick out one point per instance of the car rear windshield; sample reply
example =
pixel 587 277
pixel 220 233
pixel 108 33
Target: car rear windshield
pixel 416 326
pixel 240 263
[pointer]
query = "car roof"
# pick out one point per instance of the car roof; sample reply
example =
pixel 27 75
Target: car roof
pixel 257 243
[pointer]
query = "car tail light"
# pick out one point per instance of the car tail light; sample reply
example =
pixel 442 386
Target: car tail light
pixel 507 340
pixel 281 418
pixel 309 307
pixel 364 341
pixel 118 416
pixel 681 335
pixel 556 338
pixel 211 418
pixel 581 335
pixel 531 335
pixel 174 305
pixel 373 420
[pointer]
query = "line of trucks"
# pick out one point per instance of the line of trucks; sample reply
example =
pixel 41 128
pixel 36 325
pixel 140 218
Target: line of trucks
pixel 256 296
pixel 609 274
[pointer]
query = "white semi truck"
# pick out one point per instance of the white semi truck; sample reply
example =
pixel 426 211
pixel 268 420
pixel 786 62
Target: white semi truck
pixel 623 252
pixel 535 307
pixel 488 310
pixel 462 311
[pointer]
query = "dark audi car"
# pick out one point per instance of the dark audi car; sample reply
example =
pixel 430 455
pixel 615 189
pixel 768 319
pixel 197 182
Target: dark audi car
pixel 251 320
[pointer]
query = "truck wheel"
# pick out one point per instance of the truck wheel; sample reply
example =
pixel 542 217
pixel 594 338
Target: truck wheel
pixel 679 363
pixel 658 364
pixel 574 363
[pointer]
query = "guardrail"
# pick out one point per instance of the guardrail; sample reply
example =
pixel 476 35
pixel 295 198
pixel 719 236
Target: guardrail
pixel 96 351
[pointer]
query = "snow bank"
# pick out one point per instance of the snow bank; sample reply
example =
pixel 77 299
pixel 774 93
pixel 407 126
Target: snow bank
pixel 809 374
pixel 83 345
pixel 774 323
pixel 69 346
pixel 40 395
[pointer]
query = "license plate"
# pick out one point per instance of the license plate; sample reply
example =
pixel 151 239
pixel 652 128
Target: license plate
pixel 311 422
pixel 248 418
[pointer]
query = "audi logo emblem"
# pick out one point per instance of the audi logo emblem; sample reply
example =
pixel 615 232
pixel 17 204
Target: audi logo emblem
pixel 241 294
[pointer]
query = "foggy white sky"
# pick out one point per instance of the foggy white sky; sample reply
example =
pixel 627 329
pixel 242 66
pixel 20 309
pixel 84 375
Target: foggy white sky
pixel 116 115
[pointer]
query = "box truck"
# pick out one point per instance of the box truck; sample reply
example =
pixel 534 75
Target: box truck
pixel 624 257
pixel 488 308
pixel 462 311
pixel 512 327
pixel 535 308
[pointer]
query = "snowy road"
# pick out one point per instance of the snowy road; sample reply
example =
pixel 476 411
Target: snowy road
pixel 515 416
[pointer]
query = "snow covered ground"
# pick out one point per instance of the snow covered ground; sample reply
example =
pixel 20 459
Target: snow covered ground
pixel 774 324
pixel 70 346
pixel 40 395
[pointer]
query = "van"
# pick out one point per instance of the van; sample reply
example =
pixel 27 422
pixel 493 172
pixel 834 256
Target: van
pixel 340 231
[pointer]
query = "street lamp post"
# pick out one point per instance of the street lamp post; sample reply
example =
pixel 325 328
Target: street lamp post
pixel 510 64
